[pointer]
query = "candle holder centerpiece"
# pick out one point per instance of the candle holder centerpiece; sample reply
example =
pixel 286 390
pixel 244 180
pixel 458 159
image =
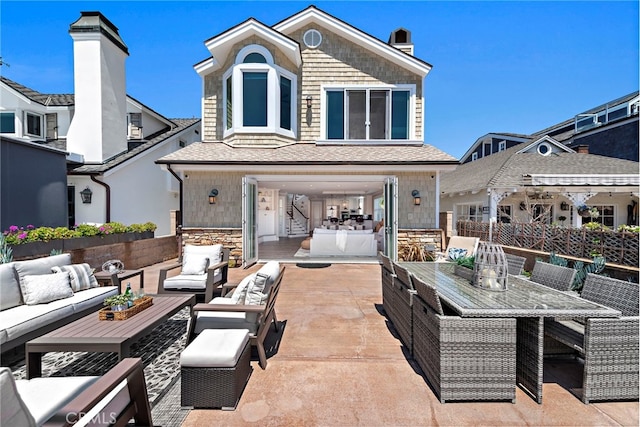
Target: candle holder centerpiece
pixel 490 268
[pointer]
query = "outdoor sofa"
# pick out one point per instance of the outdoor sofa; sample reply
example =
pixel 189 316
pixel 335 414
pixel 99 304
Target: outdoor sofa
pixel 326 242
pixel 40 295
pixel 112 399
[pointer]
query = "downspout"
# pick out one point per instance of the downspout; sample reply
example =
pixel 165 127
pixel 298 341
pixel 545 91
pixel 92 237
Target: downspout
pixel 179 225
pixel 179 222
pixel 108 197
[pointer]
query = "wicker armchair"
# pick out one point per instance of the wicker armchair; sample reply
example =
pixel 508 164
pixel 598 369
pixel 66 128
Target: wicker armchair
pixel 403 299
pixel 609 346
pixel 463 358
pixel 553 276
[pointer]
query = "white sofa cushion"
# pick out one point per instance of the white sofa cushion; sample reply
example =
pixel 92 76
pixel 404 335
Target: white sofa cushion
pixel 215 348
pixel 213 252
pixel 224 319
pixel 190 281
pixel 257 290
pixel 240 292
pixel 93 297
pixel 10 294
pixel 27 318
pixel 41 265
pixel 80 276
pixel 194 264
pixel 43 288
pixel 44 396
pixel 13 410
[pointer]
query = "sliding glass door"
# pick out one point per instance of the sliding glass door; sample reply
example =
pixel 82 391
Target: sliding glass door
pixel 390 217
pixel 249 221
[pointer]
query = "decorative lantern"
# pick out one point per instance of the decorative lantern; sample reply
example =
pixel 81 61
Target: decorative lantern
pixel 490 268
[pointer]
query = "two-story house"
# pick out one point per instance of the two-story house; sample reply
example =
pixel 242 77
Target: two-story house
pixel 89 146
pixel 303 121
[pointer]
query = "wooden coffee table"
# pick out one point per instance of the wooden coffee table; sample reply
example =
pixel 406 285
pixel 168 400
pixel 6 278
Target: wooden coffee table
pixel 109 336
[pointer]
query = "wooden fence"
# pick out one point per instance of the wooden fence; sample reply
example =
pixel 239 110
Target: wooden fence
pixel 618 247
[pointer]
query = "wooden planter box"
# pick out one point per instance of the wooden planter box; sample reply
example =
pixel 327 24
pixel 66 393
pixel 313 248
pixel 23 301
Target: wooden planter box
pixel 32 249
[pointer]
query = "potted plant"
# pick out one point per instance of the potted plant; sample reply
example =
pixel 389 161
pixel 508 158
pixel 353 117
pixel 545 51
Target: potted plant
pixel 464 267
pixel 583 211
pixel 562 219
pixel 117 302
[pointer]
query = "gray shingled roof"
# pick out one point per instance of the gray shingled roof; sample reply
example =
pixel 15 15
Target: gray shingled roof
pixel 90 169
pixel 50 99
pixel 507 168
pixel 307 153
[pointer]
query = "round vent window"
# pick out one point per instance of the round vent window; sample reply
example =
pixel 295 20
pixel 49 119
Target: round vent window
pixel 312 38
pixel 544 149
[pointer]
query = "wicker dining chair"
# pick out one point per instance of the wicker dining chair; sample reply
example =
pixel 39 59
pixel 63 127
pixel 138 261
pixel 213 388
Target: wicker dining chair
pixel 403 299
pixel 515 263
pixel 463 358
pixel 610 347
pixel 553 276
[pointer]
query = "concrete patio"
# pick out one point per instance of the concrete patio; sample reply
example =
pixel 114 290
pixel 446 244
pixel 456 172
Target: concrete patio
pixel 338 363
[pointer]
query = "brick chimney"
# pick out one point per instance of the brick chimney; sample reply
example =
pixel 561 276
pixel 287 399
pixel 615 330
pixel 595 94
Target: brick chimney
pixel 98 130
pixel 582 149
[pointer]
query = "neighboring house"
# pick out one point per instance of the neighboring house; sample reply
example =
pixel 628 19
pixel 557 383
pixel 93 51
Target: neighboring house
pixel 303 119
pixel 544 180
pixel 111 141
pixel 608 130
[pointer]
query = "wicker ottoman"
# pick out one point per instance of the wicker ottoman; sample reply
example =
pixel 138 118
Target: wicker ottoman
pixel 215 368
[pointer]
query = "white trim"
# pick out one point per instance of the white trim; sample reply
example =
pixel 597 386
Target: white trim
pixel 220 47
pixel 549 140
pixel 25 127
pixel 324 170
pixel 313 15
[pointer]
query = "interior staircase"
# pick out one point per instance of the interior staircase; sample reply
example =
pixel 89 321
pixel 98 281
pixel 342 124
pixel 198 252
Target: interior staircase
pixel 297 222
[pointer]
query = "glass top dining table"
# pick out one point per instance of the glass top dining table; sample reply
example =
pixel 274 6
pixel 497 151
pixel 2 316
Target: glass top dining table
pixel 527 301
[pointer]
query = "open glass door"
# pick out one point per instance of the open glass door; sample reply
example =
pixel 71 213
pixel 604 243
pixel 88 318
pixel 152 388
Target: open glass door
pixel 249 221
pixel 390 217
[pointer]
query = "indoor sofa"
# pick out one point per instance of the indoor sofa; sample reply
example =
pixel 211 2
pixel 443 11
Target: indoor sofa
pixel 40 295
pixel 343 243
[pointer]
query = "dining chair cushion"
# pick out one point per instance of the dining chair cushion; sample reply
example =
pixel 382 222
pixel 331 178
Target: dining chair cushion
pixel 455 253
pixel 194 264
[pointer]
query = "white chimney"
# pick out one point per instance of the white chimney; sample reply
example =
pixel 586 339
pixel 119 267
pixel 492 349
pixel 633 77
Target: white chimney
pixel 98 130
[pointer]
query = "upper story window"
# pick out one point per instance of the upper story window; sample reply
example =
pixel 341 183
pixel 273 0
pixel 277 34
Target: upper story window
pixel 34 124
pixel 369 113
pixel 474 156
pixel 502 145
pixel 258 95
pixel 7 122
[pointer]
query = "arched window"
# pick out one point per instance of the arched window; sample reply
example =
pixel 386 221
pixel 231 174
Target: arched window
pixel 259 96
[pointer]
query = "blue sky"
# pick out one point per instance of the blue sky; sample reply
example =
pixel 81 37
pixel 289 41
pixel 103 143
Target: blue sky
pixel 498 66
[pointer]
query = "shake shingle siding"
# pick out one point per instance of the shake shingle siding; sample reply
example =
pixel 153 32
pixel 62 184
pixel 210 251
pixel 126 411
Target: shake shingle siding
pixel 336 61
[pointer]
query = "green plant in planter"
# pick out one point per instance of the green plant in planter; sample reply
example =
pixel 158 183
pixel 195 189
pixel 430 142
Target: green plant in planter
pixel 466 261
pixel 116 300
pixel 6 253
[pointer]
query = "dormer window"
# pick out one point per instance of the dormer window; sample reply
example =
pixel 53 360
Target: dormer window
pixel 258 95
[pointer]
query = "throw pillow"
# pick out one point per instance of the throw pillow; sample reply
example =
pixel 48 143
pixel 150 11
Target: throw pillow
pixel 194 264
pixel 241 290
pixel 12 407
pixel 81 276
pixel 455 253
pixel 43 288
pixel 255 288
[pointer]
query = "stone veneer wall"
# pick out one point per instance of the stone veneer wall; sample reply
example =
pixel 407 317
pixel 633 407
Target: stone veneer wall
pixel 420 237
pixel 230 238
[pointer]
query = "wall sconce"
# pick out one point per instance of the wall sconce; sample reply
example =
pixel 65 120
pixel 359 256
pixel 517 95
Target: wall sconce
pixel 309 101
pixel 86 195
pixel 212 196
pixel 416 197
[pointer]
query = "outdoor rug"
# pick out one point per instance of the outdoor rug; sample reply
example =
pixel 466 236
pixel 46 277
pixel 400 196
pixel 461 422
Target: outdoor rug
pixel 301 253
pixel 160 353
